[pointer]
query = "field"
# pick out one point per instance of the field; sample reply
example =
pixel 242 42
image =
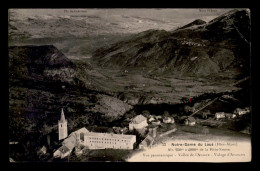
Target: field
pixel 136 87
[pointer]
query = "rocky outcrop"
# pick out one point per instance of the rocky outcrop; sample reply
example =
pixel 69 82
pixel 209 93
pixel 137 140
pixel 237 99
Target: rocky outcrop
pixel 194 23
pixel 111 107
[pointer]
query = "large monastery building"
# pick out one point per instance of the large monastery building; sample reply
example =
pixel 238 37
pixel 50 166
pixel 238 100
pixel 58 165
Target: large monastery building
pixel 93 140
pixel 90 140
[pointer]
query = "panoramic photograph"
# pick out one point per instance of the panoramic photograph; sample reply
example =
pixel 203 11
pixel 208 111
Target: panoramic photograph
pixel 129 85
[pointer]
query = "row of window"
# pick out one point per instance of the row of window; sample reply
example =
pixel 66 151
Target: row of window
pixel 106 139
pixel 113 147
pixel 104 142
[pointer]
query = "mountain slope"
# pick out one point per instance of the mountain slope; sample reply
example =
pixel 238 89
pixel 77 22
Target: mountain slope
pixel 194 23
pixel 42 80
pixel 215 47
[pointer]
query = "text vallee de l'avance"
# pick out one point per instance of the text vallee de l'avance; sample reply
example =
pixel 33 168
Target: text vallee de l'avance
pixel 205 144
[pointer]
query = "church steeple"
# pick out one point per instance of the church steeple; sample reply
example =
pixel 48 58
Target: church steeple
pixel 62 118
pixel 62 126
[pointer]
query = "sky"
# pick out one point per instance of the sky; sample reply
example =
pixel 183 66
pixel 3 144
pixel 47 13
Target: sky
pixel 151 18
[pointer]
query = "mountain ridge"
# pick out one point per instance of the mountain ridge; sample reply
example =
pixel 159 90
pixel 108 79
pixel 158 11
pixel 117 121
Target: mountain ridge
pixel 171 52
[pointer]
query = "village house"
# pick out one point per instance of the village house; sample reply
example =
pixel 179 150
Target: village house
pixel 124 130
pixel 116 130
pixel 62 152
pixel 67 146
pixel 220 115
pixel 153 131
pixel 239 111
pixel 190 121
pixel 151 119
pixel 146 143
pixel 120 130
pixel 43 150
pixel 78 150
pixel 168 120
pixel 156 122
pixel 158 117
pixel 139 122
pixel 230 115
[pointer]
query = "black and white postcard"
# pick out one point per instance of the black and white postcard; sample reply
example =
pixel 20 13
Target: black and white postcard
pixel 129 85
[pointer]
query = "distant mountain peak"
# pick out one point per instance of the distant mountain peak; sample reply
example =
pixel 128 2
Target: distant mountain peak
pixel 194 23
pixel 233 14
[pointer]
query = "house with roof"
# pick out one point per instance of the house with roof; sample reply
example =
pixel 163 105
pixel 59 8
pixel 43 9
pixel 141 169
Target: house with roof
pixel 151 119
pixel 43 150
pixel 153 130
pixel 220 115
pixel 240 111
pixel 146 143
pixel 156 122
pixel 230 115
pixel 190 121
pixel 67 146
pixel 139 122
pixel 79 135
pixel 62 152
pixel 168 120
pixel 158 117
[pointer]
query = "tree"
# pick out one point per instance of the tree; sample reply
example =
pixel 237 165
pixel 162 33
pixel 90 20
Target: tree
pixel 146 113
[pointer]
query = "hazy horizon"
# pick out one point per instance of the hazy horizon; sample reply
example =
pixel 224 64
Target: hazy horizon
pixel 128 19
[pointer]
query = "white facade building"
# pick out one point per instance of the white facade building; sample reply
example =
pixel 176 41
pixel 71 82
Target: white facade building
pixel 168 120
pixel 190 121
pixel 139 122
pixel 241 111
pixel 62 152
pixel 220 115
pixel 93 140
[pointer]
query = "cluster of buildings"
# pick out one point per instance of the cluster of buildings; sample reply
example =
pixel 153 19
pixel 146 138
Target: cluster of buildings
pixel 156 120
pixel 237 112
pixel 191 121
pixel 191 43
pixel 140 124
pixel 84 139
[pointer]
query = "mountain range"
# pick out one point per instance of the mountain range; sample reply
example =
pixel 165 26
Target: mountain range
pixel 199 48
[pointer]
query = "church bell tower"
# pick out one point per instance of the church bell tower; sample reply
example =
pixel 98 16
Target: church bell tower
pixel 62 126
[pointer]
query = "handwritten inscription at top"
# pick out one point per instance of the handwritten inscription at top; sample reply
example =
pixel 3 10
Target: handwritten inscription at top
pixel 74 10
